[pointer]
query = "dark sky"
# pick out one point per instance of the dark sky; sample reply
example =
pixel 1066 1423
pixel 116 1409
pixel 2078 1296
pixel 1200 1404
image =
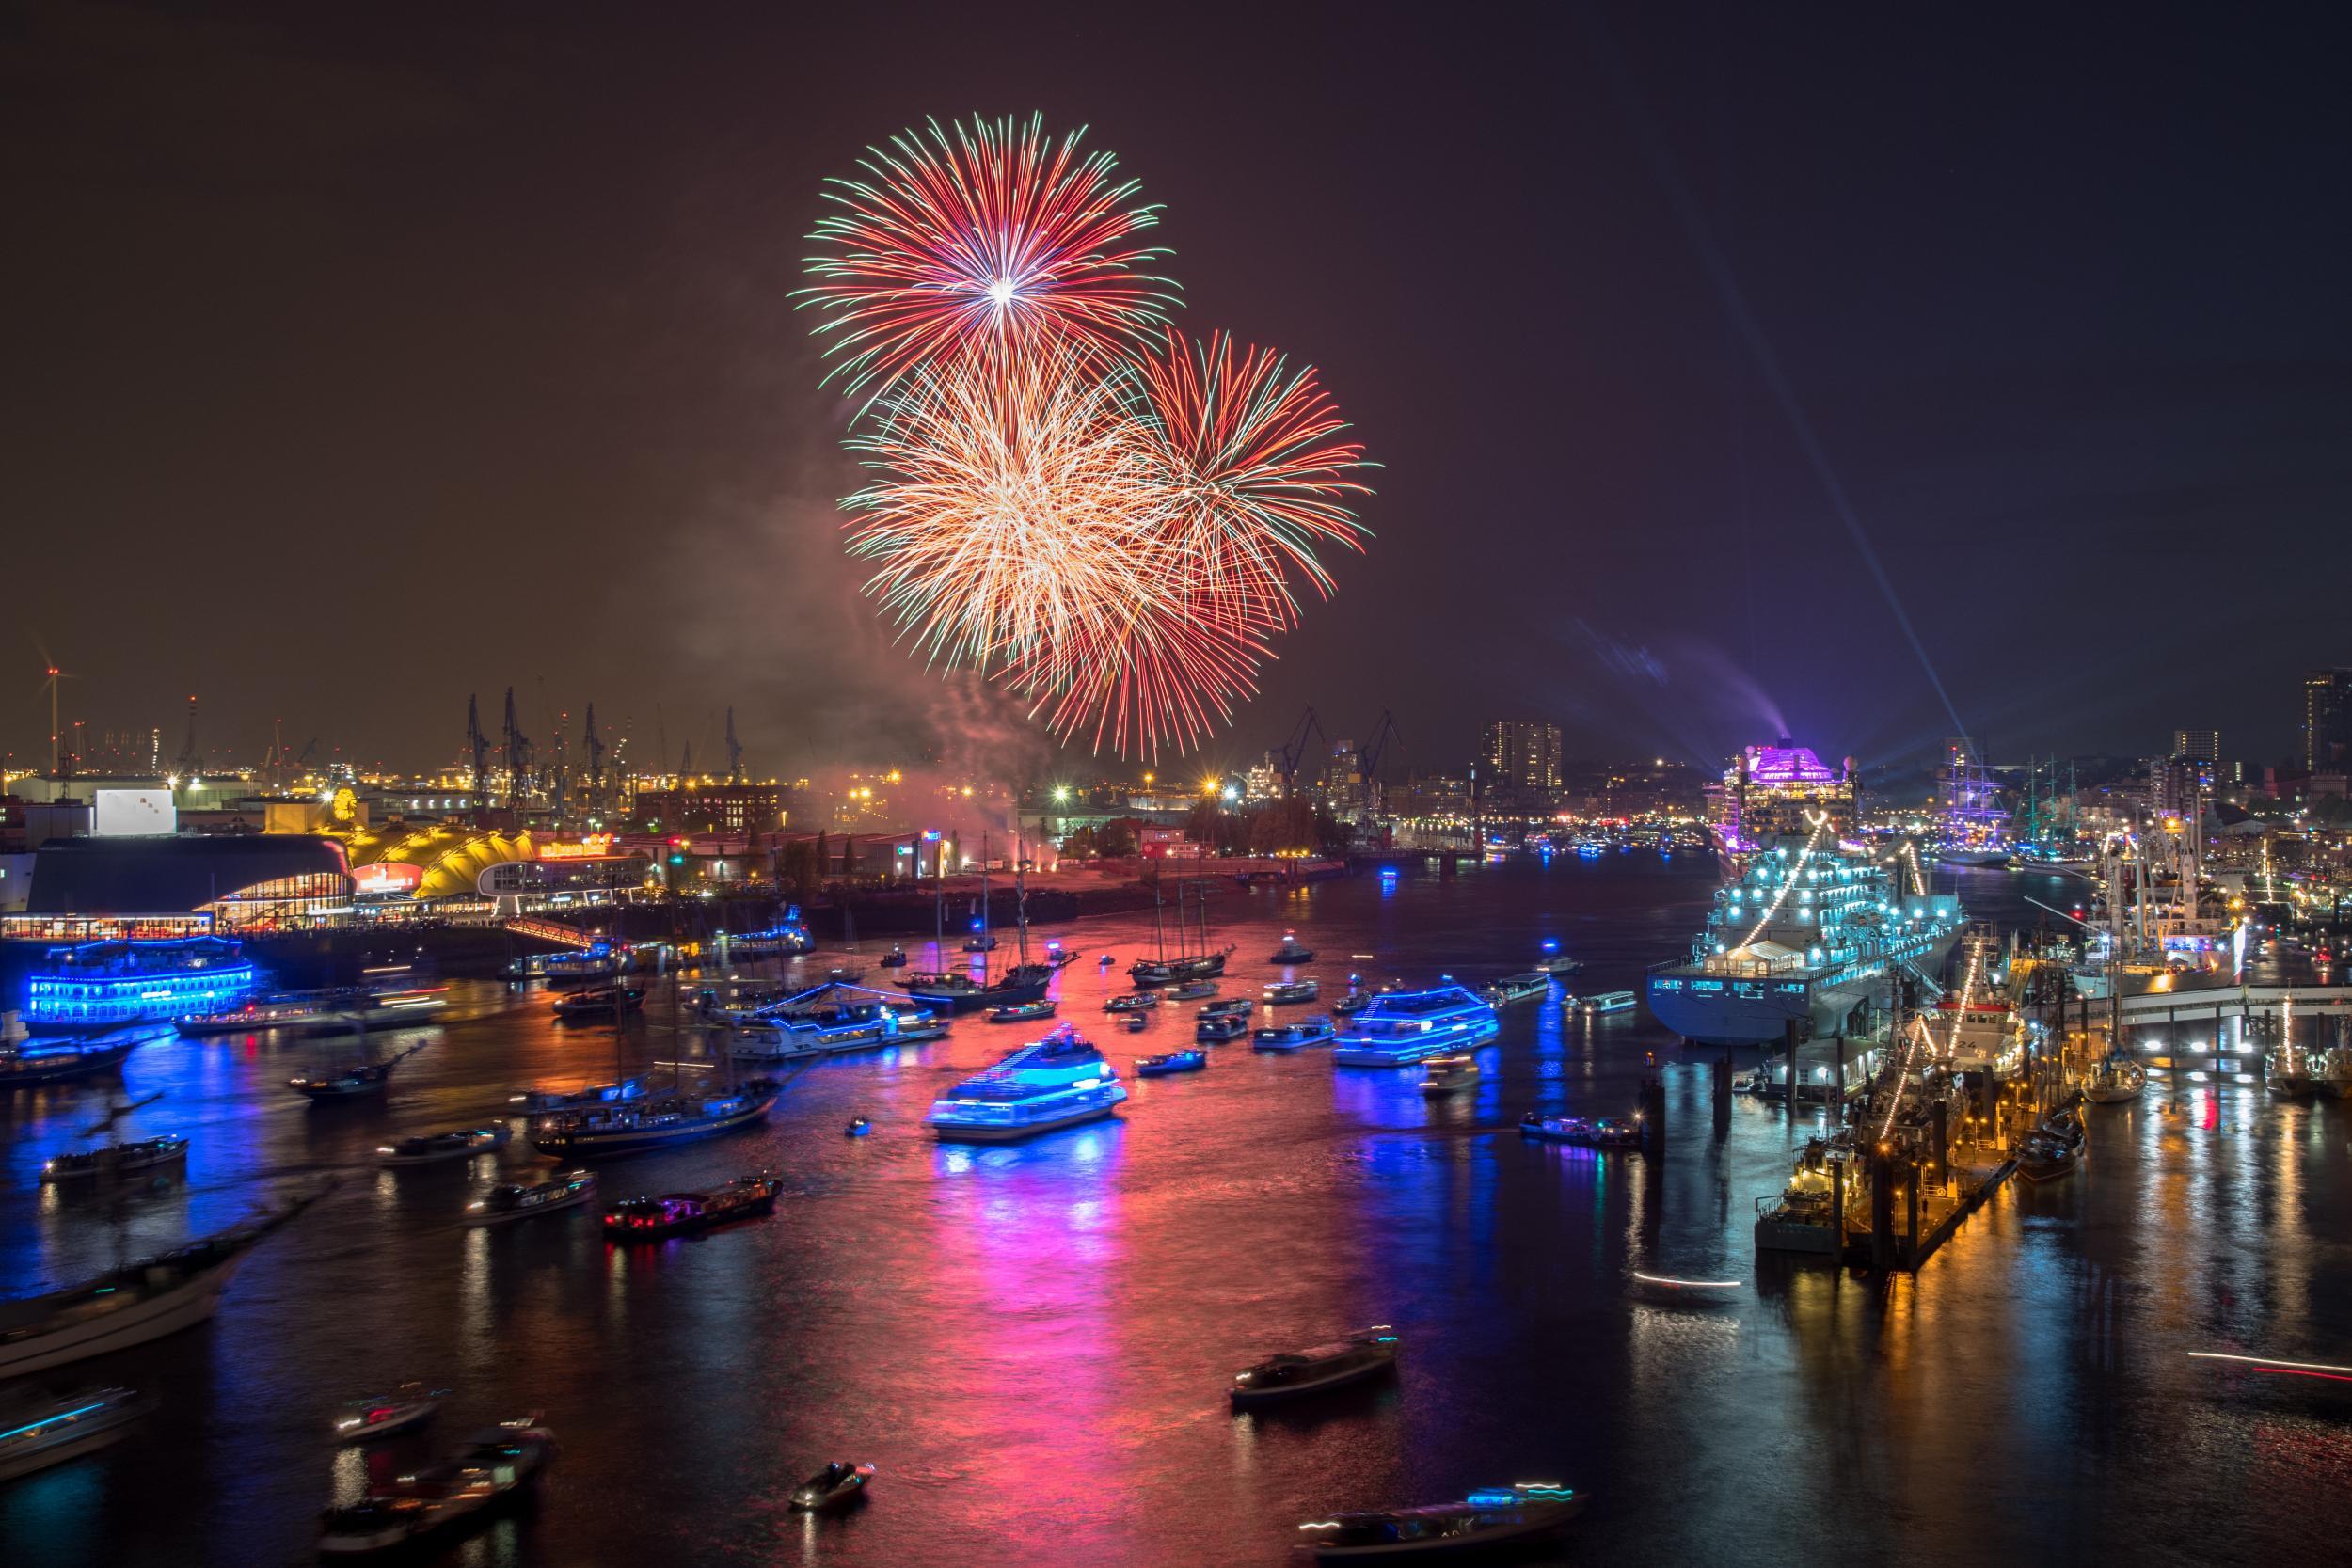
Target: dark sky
pixel 359 361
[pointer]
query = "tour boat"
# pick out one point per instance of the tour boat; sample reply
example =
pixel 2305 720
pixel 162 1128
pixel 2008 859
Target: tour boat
pixel 1450 1075
pixel 598 1002
pixel 1134 1002
pixel 1283 992
pixel 2113 1080
pixel 130 1305
pixel 1218 1030
pixel 650 1219
pixel 411 1404
pixel 1366 1353
pixel 1588 1132
pixel 1175 1061
pixel 838 1485
pixel 1405 1026
pixel 1022 1012
pixel 1059 1081
pixel 793 1033
pixel 46 1430
pixel 1292 951
pixel 509 1201
pixel 494 1465
pixel 610 1131
pixel 293 1011
pixel 1231 1006
pixel 1518 987
pixel 434 1148
pixel 1609 1001
pixel 1485 1519
pixel 35 1062
pixel 598 965
pixel 115 1159
pixel 1191 990
pixel 112 984
pixel 1315 1029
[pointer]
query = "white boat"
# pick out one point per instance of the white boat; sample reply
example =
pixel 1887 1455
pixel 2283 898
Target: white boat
pixel 1609 1001
pixel 1218 1030
pixel 1518 987
pixel 2113 1080
pixel 1402 1027
pixel 1316 1029
pixel 1059 1081
pixel 509 1201
pixel 1366 1353
pixel 40 1431
pixel 1484 1520
pixel 795 1033
pixel 1282 993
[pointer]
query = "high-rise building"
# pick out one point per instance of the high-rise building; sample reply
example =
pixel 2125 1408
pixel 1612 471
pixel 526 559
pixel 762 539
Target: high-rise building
pixel 2197 745
pixel 2327 720
pixel 1521 754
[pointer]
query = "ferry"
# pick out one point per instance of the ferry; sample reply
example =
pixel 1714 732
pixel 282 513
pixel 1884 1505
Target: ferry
pixel 1292 951
pixel 509 1201
pixel 1315 1030
pixel 650 1219
pixel 596 966
pixel 1519 987
pixel 493 1466
pixel 1059 1081
pixel 1809 933
pixel 1487 1519
pixel 1361 1356
pixel 739 1001
pixel 790 940
pixel 1282 993
pixel 1405 1026
pixel 1218 1030
pixel 434 1148
pixel 791 1034
pixel 32 1064
pixel 294 1011
pixel 634 1126
pixel 1609 1001
pixel 132 1305
pixel 101 985
pixel 1175 1061
pixel 49 1430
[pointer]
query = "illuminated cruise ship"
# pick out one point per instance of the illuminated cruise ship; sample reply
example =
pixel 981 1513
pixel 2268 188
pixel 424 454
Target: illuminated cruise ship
pixel 1056 1082
pixel 1774 792
pixel 1403 1026
pixel 1809 932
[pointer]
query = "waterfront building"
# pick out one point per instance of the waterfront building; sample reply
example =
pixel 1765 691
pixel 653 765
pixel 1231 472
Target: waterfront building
pixel 732 810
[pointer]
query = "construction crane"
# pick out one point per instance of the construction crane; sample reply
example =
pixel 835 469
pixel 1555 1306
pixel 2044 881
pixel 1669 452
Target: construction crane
pixel 1294 749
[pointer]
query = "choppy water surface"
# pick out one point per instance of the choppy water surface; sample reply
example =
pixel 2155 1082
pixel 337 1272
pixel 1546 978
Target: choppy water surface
pixel 1033 1342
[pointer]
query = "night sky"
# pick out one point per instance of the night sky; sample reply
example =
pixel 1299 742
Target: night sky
pixel 356 363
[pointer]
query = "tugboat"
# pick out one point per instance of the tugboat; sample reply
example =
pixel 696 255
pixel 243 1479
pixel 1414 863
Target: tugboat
pixel 115 1160
pixel 1487 1518
pixel 1218 1030
pixel 52 1431
pixel 619 1128
pixel 1292 951
pixel 509 1201
pixel 651 1219
pixel 599 1002
pixel 494 1465
pixel 1313 1030
pixel 1367 1353
pixel 434 1148
pixel 1175 1061
pixel 1059 1081
pixel 835 1486
pixel 132 1305
pixel 411 1404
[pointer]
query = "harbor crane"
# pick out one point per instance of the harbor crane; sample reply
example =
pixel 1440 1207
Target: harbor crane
pixel 1294 749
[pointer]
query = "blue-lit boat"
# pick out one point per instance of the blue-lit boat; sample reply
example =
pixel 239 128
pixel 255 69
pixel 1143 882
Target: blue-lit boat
pixel 1487 1519
pixel 1175 1061
pixel 1059 1081
pixel 1405 1026
pixel 36 1062
pixel 1223 1027
pixel 49 1430
pixel 101 985
pixel 1295 1036
pixel 612 1130
pixel 1811 933
pixel 596 966
pixel 830 1024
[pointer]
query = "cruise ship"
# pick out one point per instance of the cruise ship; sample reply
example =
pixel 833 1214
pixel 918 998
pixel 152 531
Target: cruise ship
pixel 1056 1082
pixel 1774 792
pixel 105 985
pixel 1809 932
pixel 1405 1026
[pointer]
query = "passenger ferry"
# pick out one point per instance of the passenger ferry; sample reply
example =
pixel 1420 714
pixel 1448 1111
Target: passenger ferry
pixel 1518 987
pixel 1609 1001
pixel 1059 1081
pixel 1316 1030
pixel 790 1033
pixel 1405 1026
pixel 103 985
pixel 1284 992
pixel 289 1010
pixel 509 1201
pixel 1809 933
pixel 635 1126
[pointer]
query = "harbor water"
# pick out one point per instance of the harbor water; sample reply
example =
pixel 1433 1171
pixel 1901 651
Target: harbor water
pixel 1033 1342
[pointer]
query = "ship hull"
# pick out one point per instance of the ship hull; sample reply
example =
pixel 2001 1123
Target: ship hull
pixel 623 1141
pixel 960 1132
pixel 185 1306
pixel 1725 1017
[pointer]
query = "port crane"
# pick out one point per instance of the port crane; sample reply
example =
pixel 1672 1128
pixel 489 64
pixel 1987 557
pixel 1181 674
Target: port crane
pixel 1294 749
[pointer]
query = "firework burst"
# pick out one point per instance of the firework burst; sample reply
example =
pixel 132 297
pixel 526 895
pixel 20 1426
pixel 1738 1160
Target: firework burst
pixel 994 239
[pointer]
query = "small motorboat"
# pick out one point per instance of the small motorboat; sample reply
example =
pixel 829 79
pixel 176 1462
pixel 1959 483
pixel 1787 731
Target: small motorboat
pixel 1218 1030
pixel 1283 992
pixel 113 1161
pixel 1023 1012
pixel 1556 963
pixel 1485 1519
pixel 410 1405
pixel 1292 951
pixel 651 1219
pixel 1134 1002
pixel 1685 1293
pixel 895 959
pixel 858 1128
pixel 838 1485
pixel 1586 1133
pixel 1316 1030
pixel 599 1002
pixel 1231 1006
pixel 509 1201
pixel 493 1466
pixel 2045 1158
pixel 1353 1003
pixel 1191 990
pixel 1365 1354
pixel 980 945
pixel 1175 1061
pixel 38 1430
pixel 1450 1075
pixel 842 975
pixel 433 1148
pixel 1136 1024
pixel 1105 961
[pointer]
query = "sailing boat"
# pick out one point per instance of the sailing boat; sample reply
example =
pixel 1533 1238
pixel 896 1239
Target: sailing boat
pixel 1023 982
pixel 982 942
pixel 1203 965
pixel 1157 971
pixel 354 1083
